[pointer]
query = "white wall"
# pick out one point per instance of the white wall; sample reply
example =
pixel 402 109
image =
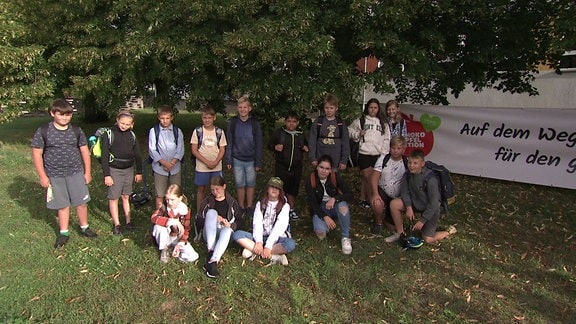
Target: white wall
pixel 555 91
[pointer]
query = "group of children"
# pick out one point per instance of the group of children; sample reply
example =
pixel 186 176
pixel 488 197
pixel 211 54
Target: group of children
pixel 62 161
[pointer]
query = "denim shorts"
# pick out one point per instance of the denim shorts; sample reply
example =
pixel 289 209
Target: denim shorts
pixel 203 178
pixel 244 174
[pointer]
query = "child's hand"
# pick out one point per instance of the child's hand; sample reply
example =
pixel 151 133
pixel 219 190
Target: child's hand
pixel 305 148
pixel 138 178
pixel 418 226
pixel 258 249
pixel 267 253
pixel 108 181
pixel 330 222
pixel 342 166
pixel 45 182
pixel 279 147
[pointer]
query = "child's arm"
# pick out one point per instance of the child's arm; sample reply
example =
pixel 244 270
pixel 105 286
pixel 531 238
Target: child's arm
pixel 179 147
pixel 85 153
pixel 344 148
pixel 433 197
pixel 258 141
pixel 312 142
pixel 38 160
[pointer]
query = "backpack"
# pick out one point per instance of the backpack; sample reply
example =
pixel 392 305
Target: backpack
pixel 355 146
pixel 445 185
pixel 387 158
pixel 199 134
pixel 332 180
pixel 320 120
pixel 233 122
pixel 44 132
pixel 95 142
pixel 157 135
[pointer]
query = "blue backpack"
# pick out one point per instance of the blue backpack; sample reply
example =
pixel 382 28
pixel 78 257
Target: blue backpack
pixel 199 133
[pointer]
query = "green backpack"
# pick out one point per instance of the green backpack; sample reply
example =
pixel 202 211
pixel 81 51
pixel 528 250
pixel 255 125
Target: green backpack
pixel 95 142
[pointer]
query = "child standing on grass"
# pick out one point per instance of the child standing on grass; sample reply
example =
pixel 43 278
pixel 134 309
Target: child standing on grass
pixel 372 133
pixel 328 194
pixel 208 144
pixel 387 176
pixel 270 238
pixel 289 145
pixel 219 215
pixel 62 161
pixel 118 160
pixel 166 150
pixel 172 227
pixel 244 152
pixel 396 123
pixel 329 136
pixel 419 194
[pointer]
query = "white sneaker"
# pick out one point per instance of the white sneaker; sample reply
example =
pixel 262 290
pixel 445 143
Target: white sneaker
pixel 392 238
pixel 346 245
pixel 247 254
pixel 164 256
pixel 279 259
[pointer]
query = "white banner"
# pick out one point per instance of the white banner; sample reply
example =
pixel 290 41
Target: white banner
pixel 526 145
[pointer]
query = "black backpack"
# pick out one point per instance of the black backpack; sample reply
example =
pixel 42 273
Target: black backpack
pixel 445 185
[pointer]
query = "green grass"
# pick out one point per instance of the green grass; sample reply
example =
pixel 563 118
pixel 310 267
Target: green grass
pixel 513 260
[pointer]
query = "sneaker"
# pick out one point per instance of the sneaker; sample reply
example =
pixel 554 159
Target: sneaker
pixel 247 254
pixel 89 233
pixel 211 270
pixel 376 229
pixel 130 227
pixel 364 204
pixel 451 230
pixel 116 230
pixel 392 238
pixel 346 245
pixel 60 241
pixel 293 215
pixel 164 256
pixel 279 259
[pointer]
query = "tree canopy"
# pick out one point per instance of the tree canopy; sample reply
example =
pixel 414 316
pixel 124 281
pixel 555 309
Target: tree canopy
pixel 285 54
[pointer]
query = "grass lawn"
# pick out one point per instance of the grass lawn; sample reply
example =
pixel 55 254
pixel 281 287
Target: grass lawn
pixel 513 260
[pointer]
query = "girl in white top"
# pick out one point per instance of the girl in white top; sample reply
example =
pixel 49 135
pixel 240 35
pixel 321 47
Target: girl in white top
pixel 270 238
pixel 374 139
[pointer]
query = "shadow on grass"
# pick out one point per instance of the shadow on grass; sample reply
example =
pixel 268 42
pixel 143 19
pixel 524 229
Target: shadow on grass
pixel 30 196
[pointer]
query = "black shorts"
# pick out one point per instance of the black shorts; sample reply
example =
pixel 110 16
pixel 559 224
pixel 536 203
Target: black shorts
pixel 291 178
pixel 386 199
pixel 366 161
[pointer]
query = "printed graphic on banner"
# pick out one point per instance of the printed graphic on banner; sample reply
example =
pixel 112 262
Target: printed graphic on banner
pixel 527 145
pixel 421 133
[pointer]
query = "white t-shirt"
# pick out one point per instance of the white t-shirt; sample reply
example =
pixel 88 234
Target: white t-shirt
pixel 391 176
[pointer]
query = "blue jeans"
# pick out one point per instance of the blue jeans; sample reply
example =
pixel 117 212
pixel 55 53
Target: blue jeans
pixel 244 174
pixel 342 218
pixel 287 243
pixel 217 236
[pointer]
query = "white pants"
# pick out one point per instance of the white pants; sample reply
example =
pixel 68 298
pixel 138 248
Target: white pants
pixel 217 237
pixel 162 236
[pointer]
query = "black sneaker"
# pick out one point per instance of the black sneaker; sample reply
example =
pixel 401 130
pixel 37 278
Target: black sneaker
pixel 116 230
pixel 60 241
pixel 376 229
pixel 130 227
pixel 364 204
pixel 293 215
pixel 89 233
pixel 211 270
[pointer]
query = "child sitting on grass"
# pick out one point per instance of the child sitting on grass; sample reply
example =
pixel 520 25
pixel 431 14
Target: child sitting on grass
pixel 416 196
pixel 172 227
pixel 270 238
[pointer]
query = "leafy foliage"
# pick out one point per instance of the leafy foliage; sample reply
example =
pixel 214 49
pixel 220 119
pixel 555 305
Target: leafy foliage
pixel 286 55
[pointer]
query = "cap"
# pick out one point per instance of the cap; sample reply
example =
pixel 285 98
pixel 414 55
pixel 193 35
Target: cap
pixel 276 183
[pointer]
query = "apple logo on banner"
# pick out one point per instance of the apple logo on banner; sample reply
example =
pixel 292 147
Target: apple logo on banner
pixel 420 135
